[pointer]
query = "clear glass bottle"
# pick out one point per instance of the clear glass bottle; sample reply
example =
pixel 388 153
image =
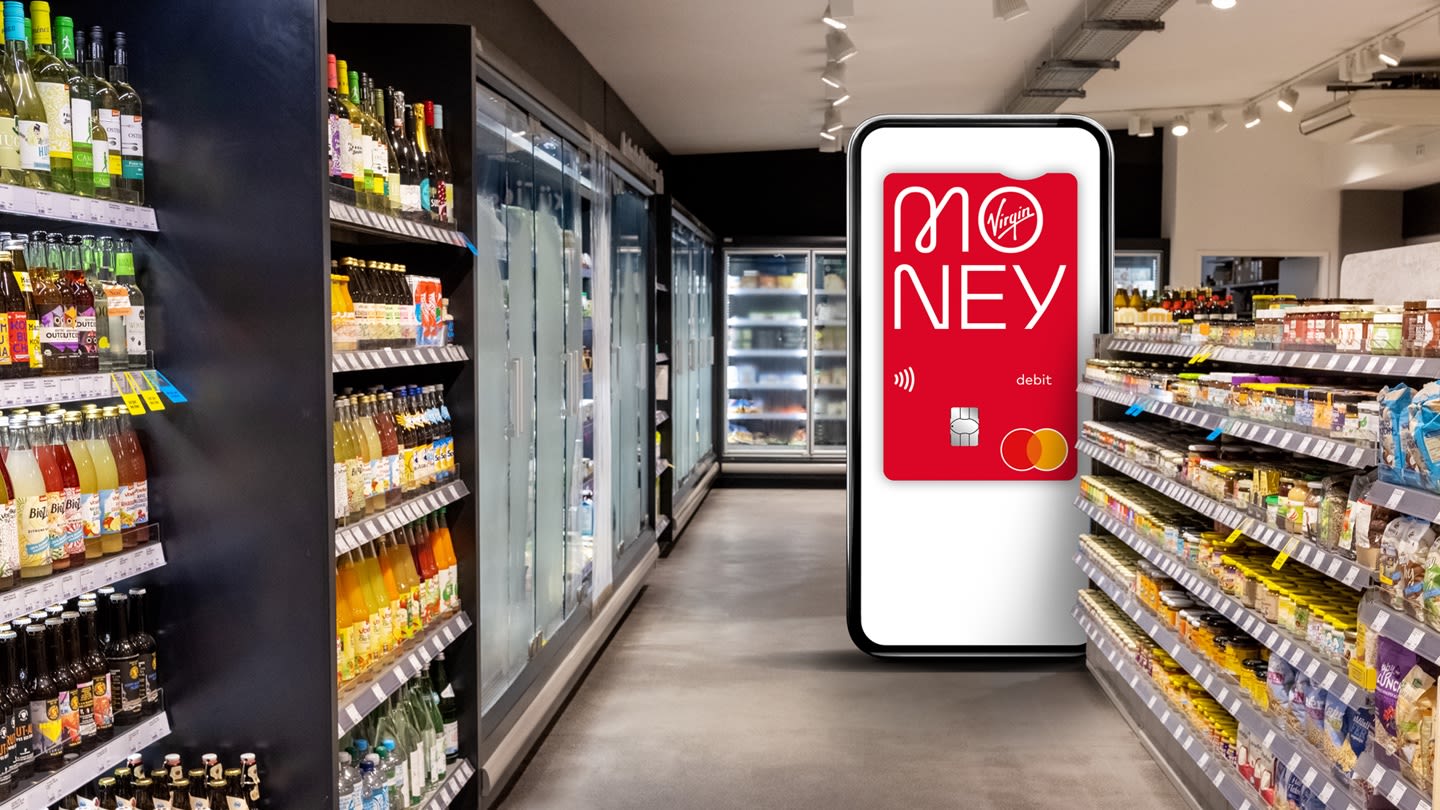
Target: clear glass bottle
pixel 52 75
pixel 32 126
pixel 130 183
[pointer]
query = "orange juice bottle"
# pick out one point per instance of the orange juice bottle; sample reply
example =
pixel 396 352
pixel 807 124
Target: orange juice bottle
pixel 379 607
pixel 408 581
pixel 446 562
pixel 348 582
pixel 344 635
pixel 392 596
pixel 425 567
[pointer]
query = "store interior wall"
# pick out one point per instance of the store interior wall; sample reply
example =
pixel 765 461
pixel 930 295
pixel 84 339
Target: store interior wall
pixel 1420 215
pixel 530 42
pixel 1371 220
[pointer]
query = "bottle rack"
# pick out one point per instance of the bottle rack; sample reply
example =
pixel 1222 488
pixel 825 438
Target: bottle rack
pixel 358 534
pixel 28 597
pixel 384 679
pixel 1379 365
pixel 55 206
pixel 363 220
pixel 374 359
pixel 44 792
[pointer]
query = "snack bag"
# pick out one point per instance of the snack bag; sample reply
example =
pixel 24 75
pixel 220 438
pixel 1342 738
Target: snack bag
pixel 1430 593
pixel 1394 414
pixel 1393 663
pixel 1337 732
pixel 1414 725
pixel 1417 471
pixel 1425 421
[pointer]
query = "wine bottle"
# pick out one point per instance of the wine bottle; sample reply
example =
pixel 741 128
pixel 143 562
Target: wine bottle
pixel 341 178
pixel 415 122
pixel 32 127
pixel 9 137
pixel 373 152
pixel 409 176
pixel 130 184
pixel 52 76
pixel 442 162
pixel 105 107
pixel 392 160
pixel 358 171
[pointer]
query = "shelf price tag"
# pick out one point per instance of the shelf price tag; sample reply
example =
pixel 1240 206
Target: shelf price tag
pixel 1285 553
pixel 1234 535
pixel 147 392
pixel 132 400
pixel 158 381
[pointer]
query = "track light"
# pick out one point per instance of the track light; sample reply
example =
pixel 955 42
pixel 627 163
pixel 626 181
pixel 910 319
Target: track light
pixel 833 21
pixel 1371 61
pixel 1251 116
pixel 1133 126
pixel 1223 4
pixel 1180 127
pixel 829 143
pixel 1217 121
pixel 1145 128
pixel 1287 99
pixel 829 136
pixel 844 97
pixel 1359 68
pixel 833 123
pixel 838 46
pixel 1391 49
pixel 1008 10
pixel 834 75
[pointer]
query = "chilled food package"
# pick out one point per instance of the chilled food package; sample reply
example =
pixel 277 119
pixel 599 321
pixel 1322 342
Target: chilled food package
pixel 1404 548
pixel 1425 425
pixel 1394 419
pixel 1415 470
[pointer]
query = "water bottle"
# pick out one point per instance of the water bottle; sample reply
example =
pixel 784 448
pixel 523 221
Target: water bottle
pixel 374 786
pixel 347 787
pixel 392 774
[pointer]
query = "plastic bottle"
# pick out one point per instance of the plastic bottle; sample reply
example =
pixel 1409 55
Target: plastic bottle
pixel 445 562
pixel 348 785
pixel 373 787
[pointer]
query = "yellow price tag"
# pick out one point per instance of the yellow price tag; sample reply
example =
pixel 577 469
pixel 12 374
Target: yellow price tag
pixel 1235 535
pixel 131 399
pixel 151 397
pixel 1200 357
pixel 1285 553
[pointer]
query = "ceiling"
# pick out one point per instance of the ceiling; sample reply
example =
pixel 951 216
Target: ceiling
pixel 743 75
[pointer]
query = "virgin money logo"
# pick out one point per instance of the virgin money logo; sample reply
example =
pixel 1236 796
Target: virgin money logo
pixel 1011 219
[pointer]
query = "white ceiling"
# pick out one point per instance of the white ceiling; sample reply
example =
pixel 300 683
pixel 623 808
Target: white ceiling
pixel 743 75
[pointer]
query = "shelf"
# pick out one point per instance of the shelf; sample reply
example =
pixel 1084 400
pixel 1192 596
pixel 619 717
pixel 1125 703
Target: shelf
pixel 777 417
pixel 829 418
pixel 1300 549
pixel 661 525
pixel 1245 285
pixel 1299 757
pixel 1292 650
pixel 1341 452
pixel 15 200
pixel 1215 768
pixel 830 352
pixel 830 387
pixel 769 387
pixel 457 775
pixel 365 694
pixel 357 534
pixel 797 353
pixel 831 322
pixel 761 291
pixel 31 596
pixel 1414 502
pixel 363 220
pixel 1400 628
pixel 1393 786
pixel 789 322
pixel 832 294
pixel 32 391
pixel 396 358
pixel 47 791
pixel 1379 365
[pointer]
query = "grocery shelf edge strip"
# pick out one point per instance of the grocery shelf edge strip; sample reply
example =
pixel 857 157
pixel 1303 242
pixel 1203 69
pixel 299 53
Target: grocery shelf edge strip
pixel 364 695
pixel 29 391
pixel 57 588
pixel 384 223
pixel 1295 754
pixel 1340 452
pixel 48 791
pixel 456 777
pixel 1413 502
pixel 1217 771
pixel 348 538
pixel 1295 652
pixel 396 358
pixel 1395 788
pixel 1380 365
pixel 70 208
pixel 1400 628
pixel 1303 551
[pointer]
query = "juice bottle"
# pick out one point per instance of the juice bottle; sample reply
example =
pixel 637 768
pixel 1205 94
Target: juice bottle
pixel 392 597
pixel 89 484
pixel 354 466
pixel 9 528
pixel 107 478
pixel 72 533
pixel 139 476
pixel 425 563
pixel 125 468
pixel 348 581
pixel 374 454
pixel 446 562
pixel 409 583
pixel 54 489
pixel 344 635
pixel 32 502
pixel 340 476
pixel 374 583
pixel 384 418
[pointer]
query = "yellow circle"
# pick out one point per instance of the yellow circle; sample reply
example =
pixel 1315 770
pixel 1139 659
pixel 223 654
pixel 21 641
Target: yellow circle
pixel 1053 449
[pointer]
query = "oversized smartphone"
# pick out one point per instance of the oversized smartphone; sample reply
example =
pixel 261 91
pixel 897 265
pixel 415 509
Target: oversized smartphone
pixel 978 249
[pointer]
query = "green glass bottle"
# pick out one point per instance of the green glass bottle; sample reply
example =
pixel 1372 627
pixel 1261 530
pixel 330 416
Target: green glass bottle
pixel 130 185
pixel 52 81
pixel 69 46
pixel 105 106
pixel 359 146
pixel 32 126
pixel 9 138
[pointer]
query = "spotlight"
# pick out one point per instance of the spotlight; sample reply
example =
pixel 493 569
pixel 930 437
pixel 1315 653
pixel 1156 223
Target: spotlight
pixel 1008 10
pixel 829 143
pixel 1180 127
pixel 1223 4
pixel 1134 125
pixel 838 46
pixel 1145 128
pixel 1251 116
pixel 1371 61
pixel 1391 49
pixel 833 21
pixel 1217 121
pixel 1287 99
pixel 832 121
pixel 844 97
pixel 834 75
pixel 827 135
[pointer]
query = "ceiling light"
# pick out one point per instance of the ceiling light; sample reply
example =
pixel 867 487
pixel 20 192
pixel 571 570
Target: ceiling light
pixel 1359 71
pixel 1133 127
pixel 1391 49
pixel 1347 67
pixel 834 75
pixel 1223 4
pixel 827 135
pixel 832 121
pixel 1251 116
pixel 1370 60
pixel 844 97
pixel 838 46
pixel 1008 10
pixel 829 143
pixel 833 21
pixel 1145 128
pixel 1217 121
pixel 1287 99
pixel 1180 127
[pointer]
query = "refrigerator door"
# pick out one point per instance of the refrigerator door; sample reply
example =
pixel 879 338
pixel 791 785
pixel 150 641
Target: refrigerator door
pixel 828 366
pixel 767 353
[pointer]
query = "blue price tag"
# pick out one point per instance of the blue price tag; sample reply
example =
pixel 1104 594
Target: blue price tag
pixel 1214 434
pixel 1135 410
pixel 469 246
pixel 165 386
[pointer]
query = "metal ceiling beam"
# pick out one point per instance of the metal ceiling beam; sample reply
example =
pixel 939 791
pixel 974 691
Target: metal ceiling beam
pixel 1080 64
pixel 1123 25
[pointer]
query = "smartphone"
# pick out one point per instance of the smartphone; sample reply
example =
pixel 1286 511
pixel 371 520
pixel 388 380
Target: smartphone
pixel 979 249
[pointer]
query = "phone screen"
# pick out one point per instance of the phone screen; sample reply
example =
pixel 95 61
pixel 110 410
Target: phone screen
pixel 978 248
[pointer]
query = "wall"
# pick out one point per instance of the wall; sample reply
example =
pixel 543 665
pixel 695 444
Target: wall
pixel 1371 220
pixel 531 42
pixel 1259 192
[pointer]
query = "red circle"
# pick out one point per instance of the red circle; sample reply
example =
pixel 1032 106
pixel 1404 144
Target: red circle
pixel 1016 452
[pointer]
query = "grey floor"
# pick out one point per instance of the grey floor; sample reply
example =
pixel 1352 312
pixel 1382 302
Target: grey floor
pixel 733 684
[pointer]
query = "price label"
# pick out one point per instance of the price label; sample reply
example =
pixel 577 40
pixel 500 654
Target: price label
pixel 1413 640
pixel 1309 779
pixel 1284 649
pixel 149 395
pixel 1389 365
pixel 377 692
pixel 1397 792
pixel 1326 792
pixel 1269 738
pixel 163 384
pixel 1334 361
pixel 1416 366
pixel 1285 553
pixel 132 401
pixel 1294 762
pixel 1381 619
pixel 145 219
pixel 1204 758
pixel 1329 679
pixel 1312 669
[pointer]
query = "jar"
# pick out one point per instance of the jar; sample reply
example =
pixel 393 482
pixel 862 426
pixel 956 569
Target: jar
pixel 1269 328
pixel 1314 495
pixel 1429 337
pixel 1386 333
pixel 1294 507
pixel 1354 333
pixel 1285 610
pixel 1412 328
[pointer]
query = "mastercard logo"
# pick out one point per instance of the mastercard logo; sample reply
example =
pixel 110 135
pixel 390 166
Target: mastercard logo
pixel 1023 449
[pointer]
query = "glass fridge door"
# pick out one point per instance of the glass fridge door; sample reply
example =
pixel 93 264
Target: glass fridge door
pixel 767 352
pixel 828 374
pixel 682 359
pixel 630 364
pixel 705 332
pixel 1134 270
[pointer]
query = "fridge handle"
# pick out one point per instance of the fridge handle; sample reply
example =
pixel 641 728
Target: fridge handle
pixel 513 425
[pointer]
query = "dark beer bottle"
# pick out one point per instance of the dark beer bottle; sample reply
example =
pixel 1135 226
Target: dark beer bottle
pixel 84 693
pixel 106 797
pixel 19 726
pixel 128 697
pixel 44 703
pixel 94 659
pixel 145 649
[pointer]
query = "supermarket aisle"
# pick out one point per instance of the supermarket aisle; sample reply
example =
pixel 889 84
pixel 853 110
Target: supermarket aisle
pixel 733 684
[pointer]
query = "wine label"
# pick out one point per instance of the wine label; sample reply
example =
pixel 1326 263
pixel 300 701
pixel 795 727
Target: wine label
pixel 117 299
pixel 345 134
pixel 34 145
pixel 9 144
pixel 135 330
pixel 9 540
pixel 100 164
pixel 80 121
pixel 132 136
pixel 56 98
pixel 34 530
pixel 110 122
pixel 342 492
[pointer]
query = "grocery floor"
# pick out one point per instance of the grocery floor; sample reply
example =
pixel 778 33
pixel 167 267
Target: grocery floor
pixel 734 684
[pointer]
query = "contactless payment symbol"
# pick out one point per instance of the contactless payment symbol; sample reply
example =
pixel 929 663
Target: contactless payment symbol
pixel 980 298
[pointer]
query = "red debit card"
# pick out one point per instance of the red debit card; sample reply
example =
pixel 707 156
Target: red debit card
pixel 980 319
